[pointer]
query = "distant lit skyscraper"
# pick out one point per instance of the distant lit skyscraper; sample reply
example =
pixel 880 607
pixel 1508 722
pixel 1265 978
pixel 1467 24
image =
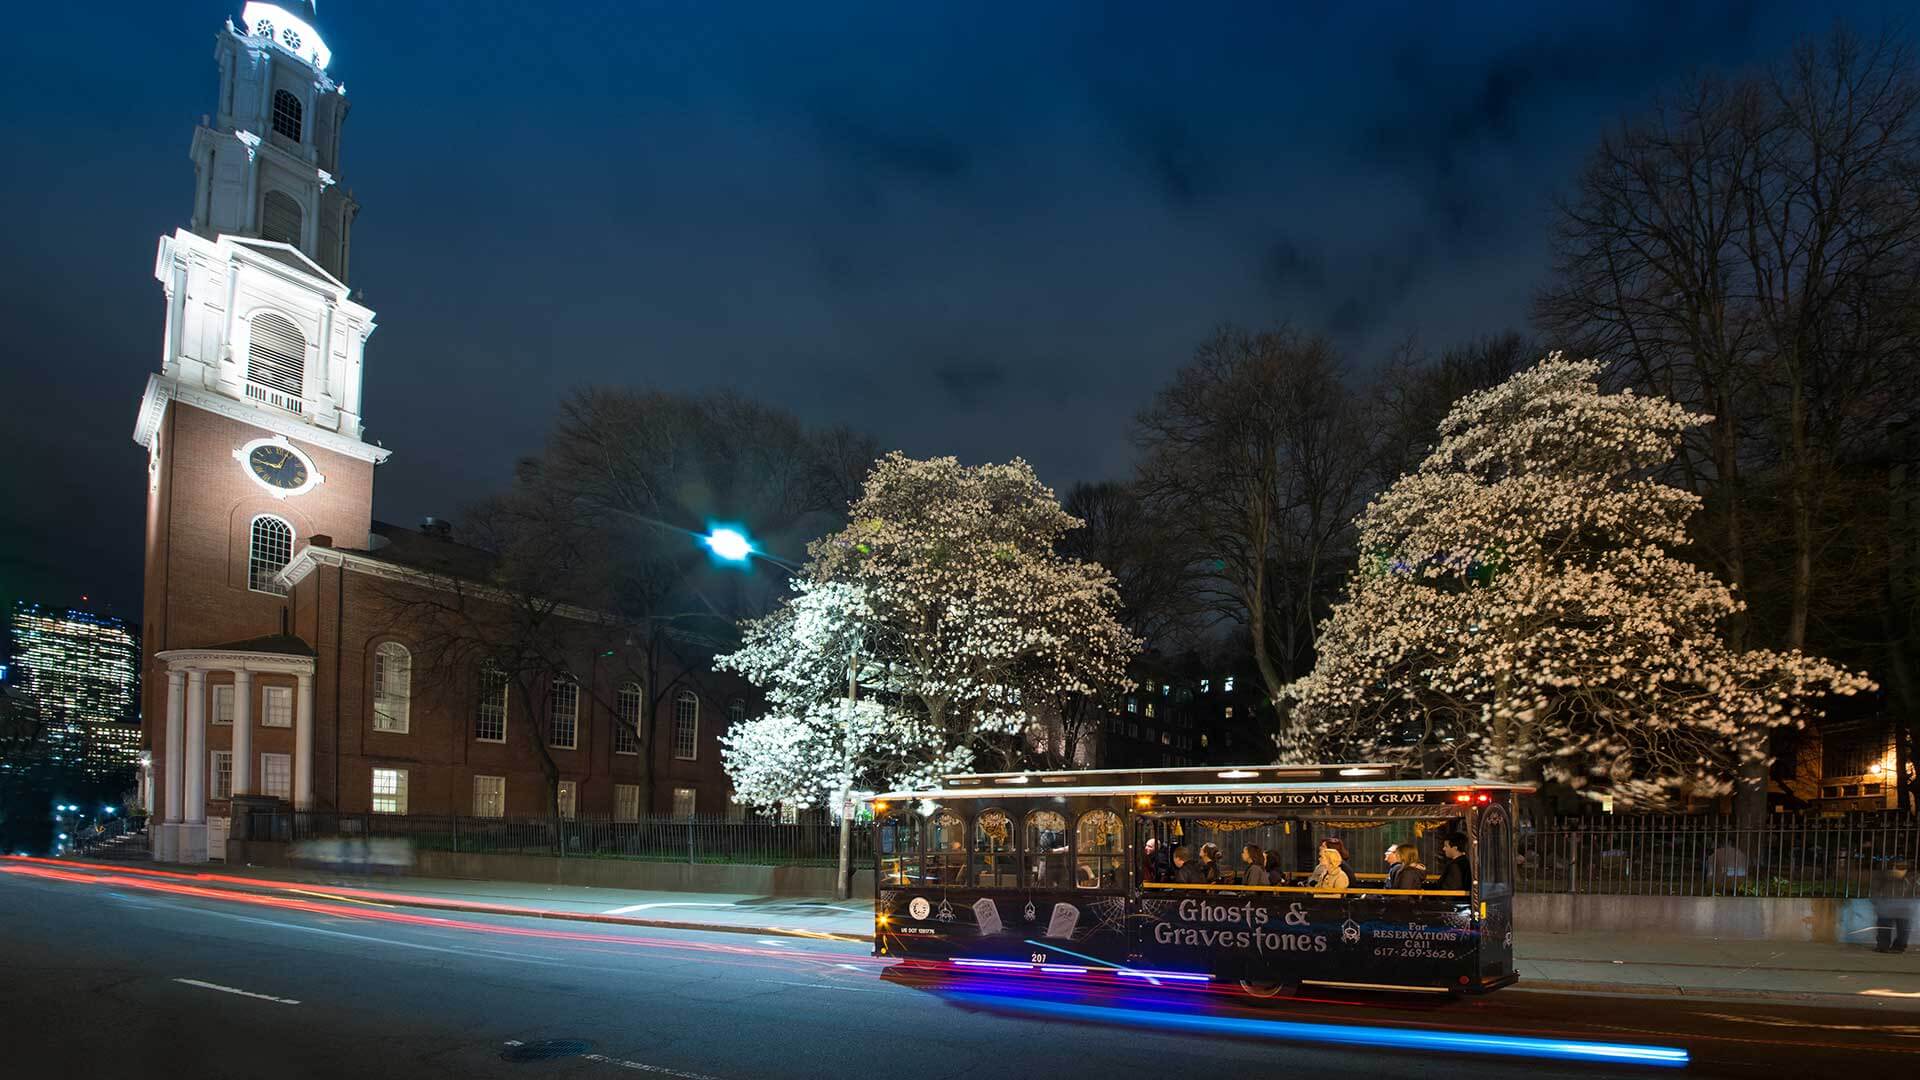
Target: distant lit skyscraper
pixel 81 670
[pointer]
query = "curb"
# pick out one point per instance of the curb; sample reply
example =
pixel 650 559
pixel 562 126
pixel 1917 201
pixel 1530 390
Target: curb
pixel 1827 998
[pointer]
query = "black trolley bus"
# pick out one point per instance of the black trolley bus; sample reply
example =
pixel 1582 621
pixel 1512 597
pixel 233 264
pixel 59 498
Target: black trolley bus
pixel 1049 873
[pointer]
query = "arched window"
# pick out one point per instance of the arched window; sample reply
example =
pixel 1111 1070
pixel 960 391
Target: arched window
pixel 269 548
pixel 563 713
pixel 995 850
pixel 900 849
pixel 286 114
pixel 686 726
pixel 1047 850
pixel 280 218
pixel 277 355
pixel 392 687
pixel 947 848
pixel 626 727
pixel 1099 845
pixel 736 712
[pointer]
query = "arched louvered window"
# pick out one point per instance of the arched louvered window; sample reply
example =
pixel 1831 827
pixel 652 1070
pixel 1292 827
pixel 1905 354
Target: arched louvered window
pixel 280 218
pixel 392 687
pixel 277 355
pixel 286 114
pixel 269 548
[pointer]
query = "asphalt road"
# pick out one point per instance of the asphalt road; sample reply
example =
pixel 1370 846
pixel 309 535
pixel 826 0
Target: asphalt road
pixel 123 980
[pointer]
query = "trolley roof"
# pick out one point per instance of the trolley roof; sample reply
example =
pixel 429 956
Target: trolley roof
pixel 1184 781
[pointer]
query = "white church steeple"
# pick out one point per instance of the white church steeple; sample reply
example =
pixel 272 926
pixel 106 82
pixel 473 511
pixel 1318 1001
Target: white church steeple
pixel 261 325
pixel 267 164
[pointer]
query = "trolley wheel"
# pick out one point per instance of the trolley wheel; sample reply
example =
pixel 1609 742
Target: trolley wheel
pixel 1266 990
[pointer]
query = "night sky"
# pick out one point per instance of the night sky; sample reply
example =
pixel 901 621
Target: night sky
pixel 972 229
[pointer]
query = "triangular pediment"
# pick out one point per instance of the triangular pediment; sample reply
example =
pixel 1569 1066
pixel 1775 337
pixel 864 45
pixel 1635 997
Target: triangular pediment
pixel 287 254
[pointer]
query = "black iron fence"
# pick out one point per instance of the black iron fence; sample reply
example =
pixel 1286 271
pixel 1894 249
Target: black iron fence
pixel 1661 855
pixel 1650 855
pixel 660 839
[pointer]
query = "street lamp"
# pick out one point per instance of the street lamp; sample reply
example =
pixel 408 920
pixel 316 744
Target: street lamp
pixel 729 545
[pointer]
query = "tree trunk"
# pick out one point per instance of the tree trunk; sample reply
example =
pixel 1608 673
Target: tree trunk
pixel 1750 777
pixel 1800 479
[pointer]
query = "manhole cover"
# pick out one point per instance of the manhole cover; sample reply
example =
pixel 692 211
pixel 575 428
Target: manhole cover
pixel 545 1049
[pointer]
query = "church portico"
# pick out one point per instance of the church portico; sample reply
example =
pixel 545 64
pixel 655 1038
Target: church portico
pixel 285 687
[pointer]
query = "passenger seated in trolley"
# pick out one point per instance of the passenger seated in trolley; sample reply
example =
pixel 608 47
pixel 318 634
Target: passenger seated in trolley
pixel 1328 874
pixel 1187 869
pixel 1256 860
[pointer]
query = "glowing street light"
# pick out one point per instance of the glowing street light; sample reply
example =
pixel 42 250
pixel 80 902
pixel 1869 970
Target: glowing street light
pixel 730 545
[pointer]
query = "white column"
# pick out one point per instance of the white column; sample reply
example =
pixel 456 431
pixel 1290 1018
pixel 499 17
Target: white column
pixel 243 732
pixel 195 759
pixel 303 746
pixel 176 736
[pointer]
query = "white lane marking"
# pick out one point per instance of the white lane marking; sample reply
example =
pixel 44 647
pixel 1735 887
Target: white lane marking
pixel 234 990
pixel 769 941
pixel 630 908
pixel 489 953
pixel 639 1067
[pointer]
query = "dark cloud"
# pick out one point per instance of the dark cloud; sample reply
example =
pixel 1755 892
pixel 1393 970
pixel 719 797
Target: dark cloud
pixel 1289 266
pixel 892 154
pixel 968 382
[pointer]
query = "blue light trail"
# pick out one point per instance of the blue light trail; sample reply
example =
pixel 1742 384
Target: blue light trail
pixel 1459 1042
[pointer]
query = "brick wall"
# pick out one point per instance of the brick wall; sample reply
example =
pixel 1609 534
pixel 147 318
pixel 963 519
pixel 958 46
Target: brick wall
pixel 199 514
pixel 347 614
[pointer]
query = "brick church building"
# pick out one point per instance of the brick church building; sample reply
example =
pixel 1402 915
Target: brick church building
pixel 272 663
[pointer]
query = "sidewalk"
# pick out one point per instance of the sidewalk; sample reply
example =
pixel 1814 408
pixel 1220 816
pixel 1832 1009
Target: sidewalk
pixel 1578 962
pixel 1707 967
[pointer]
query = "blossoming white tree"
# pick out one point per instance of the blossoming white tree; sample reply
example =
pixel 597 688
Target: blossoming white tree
pixel 1518 611
pixel 977 620
pixel 946 598
pixel 816 742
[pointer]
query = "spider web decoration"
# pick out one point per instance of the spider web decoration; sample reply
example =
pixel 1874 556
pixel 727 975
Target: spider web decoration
pixel 1154 909
pixel 1030 911
pixel 888 901
pixel 1110 916
pixel 946 911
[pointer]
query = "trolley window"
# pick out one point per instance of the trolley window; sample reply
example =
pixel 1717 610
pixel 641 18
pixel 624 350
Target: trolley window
pixel 900 849
pixel 947 848
pixel 1046 850
pixel 995 853
pixel 1099 845
pixel 1496 852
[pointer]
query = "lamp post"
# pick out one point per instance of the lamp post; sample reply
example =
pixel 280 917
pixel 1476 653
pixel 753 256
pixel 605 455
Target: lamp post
pixel 731 545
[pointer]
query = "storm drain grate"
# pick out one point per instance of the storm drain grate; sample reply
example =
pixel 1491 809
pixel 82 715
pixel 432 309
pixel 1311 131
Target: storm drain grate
pixel 545 1049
